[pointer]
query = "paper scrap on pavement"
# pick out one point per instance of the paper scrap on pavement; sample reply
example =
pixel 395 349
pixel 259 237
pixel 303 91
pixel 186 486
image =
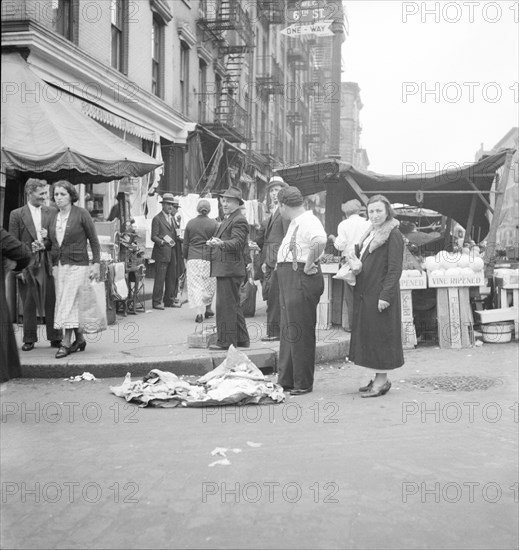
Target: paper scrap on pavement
pixel 223 450
pixel 79 377
pixel 252 444
pixel 222 462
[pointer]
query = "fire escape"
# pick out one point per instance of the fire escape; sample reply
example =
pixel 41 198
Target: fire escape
pixel 321 89
pixel 228 25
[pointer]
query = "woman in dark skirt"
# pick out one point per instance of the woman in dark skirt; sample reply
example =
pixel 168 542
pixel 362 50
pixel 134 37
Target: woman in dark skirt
pixel 376 340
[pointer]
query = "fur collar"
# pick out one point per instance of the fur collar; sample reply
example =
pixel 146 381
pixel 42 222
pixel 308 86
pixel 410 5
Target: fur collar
pixel 381 234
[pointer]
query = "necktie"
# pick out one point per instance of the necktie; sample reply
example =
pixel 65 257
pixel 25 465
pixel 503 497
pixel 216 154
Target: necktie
pixel 293 250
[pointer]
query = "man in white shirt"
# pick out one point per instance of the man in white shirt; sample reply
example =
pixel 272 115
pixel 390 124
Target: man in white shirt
pixel 349 233
pixel 30 224
pixel 300 287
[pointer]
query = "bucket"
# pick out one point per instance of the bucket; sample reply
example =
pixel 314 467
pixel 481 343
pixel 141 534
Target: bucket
pixel 497 333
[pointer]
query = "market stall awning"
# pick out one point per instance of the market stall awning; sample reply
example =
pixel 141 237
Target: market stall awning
pixel 46 136
pixel 449 192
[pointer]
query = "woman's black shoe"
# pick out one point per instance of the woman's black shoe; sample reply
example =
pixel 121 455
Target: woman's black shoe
pixel 78 346
pixel 209 314
pixel 199 318
pixel 380 391
pixel 62 352
pixel 367 387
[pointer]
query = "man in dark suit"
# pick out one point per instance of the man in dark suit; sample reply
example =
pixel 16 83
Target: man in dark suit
pixel 269 241
pixel 228 266
pixel 30 224
pixel 167 241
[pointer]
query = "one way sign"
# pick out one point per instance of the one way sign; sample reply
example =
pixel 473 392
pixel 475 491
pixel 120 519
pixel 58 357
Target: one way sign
pixel 319 28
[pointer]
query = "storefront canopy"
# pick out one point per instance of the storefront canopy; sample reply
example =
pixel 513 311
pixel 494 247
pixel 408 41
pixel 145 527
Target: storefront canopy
pixel 46 136
pixel 449 192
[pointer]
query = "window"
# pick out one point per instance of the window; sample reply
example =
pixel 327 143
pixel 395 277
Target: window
pixel 202 91
pixel 157 72
pixel 184 77
pixel 63 17
pixel 119 17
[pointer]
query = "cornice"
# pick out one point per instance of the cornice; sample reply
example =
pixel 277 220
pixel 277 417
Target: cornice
pixel 186 33
pixel 161 8
pixel 61 62
pixel 205 54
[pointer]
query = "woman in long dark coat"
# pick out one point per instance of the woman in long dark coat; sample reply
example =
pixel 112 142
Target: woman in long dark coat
pixel 376 340
pixel 20 255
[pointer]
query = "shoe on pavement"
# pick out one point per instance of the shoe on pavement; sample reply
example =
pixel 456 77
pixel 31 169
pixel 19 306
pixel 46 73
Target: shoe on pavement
pixel 270 339
pixel 377 392
pixel 158 307
pixel 243 345
pixel 296 391
pixel 367 387
pixel 28 346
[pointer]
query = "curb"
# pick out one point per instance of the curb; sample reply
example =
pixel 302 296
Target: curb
pixel 187 365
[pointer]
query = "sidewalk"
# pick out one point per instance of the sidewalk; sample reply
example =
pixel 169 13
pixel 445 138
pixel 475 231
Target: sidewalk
pixel 158 339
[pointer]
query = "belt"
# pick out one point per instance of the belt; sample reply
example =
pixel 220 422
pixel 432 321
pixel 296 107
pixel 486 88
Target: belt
pixel 300 266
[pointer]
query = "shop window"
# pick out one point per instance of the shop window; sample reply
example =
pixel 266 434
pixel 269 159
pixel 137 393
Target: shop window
pixel 119 19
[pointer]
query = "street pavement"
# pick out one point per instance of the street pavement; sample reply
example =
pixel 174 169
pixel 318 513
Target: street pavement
pixel 432 464
pixel 159 339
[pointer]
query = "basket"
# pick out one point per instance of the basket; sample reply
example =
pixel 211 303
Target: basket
pixel 203 336
pixel 497 333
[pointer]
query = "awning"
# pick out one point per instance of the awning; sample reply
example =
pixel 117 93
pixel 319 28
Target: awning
pixel 449 192
pixel 47 137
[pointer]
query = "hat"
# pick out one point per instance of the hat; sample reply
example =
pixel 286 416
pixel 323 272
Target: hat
pixel 291 196
pixel 351 207
pixel 169 198
pixel 203 206
pixel 232 193
pixel 276 180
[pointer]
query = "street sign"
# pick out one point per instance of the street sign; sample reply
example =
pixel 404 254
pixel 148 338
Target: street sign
pixel 319 28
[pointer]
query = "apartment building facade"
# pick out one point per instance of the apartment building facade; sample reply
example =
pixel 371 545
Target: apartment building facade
pixel 211 87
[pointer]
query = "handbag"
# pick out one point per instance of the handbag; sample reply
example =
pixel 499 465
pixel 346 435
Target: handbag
pixel 92 308
pixel 345 273
pixel 248 291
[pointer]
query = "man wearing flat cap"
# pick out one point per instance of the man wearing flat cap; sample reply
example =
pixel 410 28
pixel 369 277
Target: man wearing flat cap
pixel 269 239
pixel 228 266
pixel 349 233
pixel 166 250
pixel 301 284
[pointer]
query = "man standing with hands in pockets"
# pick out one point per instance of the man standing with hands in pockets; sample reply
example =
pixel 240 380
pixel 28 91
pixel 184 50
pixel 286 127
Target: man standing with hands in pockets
pixel 29 224
pixel 301 284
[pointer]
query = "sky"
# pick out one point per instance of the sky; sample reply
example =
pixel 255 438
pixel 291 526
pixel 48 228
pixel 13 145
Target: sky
pixel 437 79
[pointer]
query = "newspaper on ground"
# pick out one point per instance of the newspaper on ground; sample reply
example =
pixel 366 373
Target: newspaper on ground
pixel 236 381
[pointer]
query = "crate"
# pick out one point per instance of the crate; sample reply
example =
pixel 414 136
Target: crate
pixel 455 319
pixel 497 315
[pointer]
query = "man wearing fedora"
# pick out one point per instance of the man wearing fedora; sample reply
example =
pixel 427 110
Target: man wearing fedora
pixel 228 266
pixel 269 240
pixel 167 241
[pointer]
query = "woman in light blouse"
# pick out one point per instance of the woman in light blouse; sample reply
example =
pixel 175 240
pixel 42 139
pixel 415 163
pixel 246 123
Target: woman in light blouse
pixel 69 233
